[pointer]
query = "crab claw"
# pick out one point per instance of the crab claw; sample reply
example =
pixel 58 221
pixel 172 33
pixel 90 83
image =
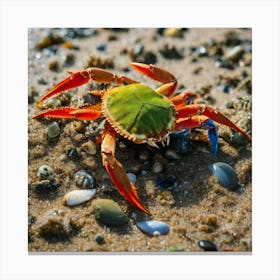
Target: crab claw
pixel 72 81
pixel 207 111
pixel 159 74
pixel 84 114
pixel 117 173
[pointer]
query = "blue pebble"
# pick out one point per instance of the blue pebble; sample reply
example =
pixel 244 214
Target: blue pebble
pixel 102 47
pixel 152 227
pixel 226 175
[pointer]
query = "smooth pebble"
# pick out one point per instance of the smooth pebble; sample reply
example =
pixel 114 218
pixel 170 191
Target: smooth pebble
pixel 108 212
pixel 153 227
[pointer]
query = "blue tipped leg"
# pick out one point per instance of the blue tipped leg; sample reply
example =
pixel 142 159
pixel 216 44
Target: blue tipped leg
pixel 212 135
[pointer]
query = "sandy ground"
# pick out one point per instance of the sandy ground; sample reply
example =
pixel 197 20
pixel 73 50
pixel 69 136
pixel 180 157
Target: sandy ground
pixel 199 208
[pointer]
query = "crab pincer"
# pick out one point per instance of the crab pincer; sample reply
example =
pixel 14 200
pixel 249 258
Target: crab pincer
pixel 117 173
pixel 158 74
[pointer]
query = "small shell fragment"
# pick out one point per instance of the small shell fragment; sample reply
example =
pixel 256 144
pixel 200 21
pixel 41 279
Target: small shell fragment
pixel 153 227
pixel 77 197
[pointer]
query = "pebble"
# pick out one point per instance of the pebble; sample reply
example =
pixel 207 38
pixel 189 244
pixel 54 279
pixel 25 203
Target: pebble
pixel 77 197
pixel 207 245
pixel 45 172
pixel 108 212
pixel 171 52
pixel 99 239
pixel 180 143
pixel 71 152
pixel 84 179
pixel 132 177
pixel 102 47
pixel 170 154
pixel 153 227
pixel 234 54
pixel 172 32
pixel 157 167
pixel 89 147
pixel 53 130
pixel 226 175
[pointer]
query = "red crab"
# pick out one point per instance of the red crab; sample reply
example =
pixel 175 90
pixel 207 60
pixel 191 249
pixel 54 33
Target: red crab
pixel 138 113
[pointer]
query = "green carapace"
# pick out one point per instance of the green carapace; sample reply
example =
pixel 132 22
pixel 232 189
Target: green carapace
pixel 139 113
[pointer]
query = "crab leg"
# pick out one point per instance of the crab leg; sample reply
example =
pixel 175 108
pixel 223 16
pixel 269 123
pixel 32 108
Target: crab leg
pixel 183 98
pixel 201 121
pixel 117 173
pixel 82 77
pixel 159 74
pixel 205 110
pixel 84 114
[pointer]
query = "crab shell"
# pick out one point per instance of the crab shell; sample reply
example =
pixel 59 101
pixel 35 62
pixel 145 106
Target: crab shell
pixel 139 114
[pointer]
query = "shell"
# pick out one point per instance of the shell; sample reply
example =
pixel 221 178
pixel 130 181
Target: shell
pixel 153 227
pixel 77 197
pixel 226 175
pixel 84 179
pixel 45 172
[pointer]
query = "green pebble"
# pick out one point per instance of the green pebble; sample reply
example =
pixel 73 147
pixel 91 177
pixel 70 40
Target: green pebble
pixel 108 212
pixel 53 130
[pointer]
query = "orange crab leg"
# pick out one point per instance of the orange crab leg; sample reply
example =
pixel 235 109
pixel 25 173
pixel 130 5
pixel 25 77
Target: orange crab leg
pixel 201 109
pixel 84 114
pixel 117 173
pixel 159 74
pixel 82 77
pixel 183 98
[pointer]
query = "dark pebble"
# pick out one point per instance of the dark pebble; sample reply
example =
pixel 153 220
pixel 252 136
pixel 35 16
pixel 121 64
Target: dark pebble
pixel 170 52
pixel 223 64
pixel 99 239
pixel 168 183
pixel 72 152
pixel 45 186
pixel 150 58
pixel 102 47
pixel 207 245
pixel 180 143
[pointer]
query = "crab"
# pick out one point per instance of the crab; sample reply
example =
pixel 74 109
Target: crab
pixel 137 112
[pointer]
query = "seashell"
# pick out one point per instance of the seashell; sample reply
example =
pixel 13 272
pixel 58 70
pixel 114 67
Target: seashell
pixel 226 175
pixel 53 130
pixel 108 212
pixel 77 197
pixel 153 227
pixel 84 179
pixel 207 245
pixel 45 172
